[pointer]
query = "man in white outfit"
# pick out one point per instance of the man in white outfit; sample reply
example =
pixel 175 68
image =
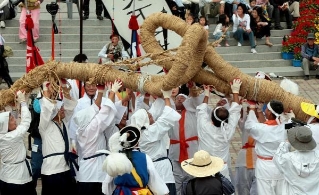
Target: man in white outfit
pixel 92 135
pixel 15 169
pixel 184 140
pixel 58 160
pixel 152 140
pixel 300 167
pixel 268 136
pixel 215 130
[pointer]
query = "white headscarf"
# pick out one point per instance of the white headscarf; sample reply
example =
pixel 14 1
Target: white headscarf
pixel 275 113
pixel 140 119
pixel 222 122
pixel 4 123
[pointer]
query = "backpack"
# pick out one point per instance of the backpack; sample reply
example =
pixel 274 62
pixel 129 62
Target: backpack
pixel 8 52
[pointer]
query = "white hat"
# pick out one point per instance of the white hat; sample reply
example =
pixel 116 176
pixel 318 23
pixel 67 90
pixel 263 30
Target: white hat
pixel 202 165
pixel 140 119
pixel 289 86
pixel 4 122
pixel 262 75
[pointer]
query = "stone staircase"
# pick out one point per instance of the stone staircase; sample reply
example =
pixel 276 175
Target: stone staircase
pixel 96 34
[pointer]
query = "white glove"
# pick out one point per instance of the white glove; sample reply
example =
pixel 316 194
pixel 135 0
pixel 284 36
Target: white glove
pixel 235 86
pixel 291 114
pixel 167 94
pixel 45 85
pixel 20 96
pixel 116 85
pixel 206 90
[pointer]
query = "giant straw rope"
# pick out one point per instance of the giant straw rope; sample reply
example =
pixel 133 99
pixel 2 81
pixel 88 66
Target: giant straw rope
pixel 183 65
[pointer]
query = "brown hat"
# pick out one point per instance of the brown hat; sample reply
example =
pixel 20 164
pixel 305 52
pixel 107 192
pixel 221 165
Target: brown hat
pixel 301 138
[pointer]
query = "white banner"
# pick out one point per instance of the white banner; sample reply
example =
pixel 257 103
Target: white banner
pixel 121 10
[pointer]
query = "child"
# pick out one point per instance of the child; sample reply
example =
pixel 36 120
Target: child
pixel 203 21
pixel 221 28
pixel 190 19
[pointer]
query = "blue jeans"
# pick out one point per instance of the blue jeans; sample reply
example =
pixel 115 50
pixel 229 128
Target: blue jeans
pixel 36 160
pixel 219 34
pixel 240 35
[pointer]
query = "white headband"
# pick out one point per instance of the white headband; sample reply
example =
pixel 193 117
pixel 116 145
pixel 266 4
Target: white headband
pixel 222 124
pixel 275 113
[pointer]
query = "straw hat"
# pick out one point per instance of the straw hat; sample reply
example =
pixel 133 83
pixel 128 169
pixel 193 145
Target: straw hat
pixel 301 138
pixel 202 165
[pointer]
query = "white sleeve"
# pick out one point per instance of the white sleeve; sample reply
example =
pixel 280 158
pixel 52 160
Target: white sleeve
pixel 203 120
pixel 140 104
pixel 279 157
pixel 155 182
pixel 234 115
pixel 248 21
pixel 218 28
pixel 102 53
pixel 23 127
pixel 162 125
pixel 69 106
pixel 125 54
pixel 47 108
pixel 236 23
pixel 253 126
pixel 108 185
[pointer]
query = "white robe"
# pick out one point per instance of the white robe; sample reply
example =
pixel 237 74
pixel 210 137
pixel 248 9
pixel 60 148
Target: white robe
pixel 155 183
pixel 153 144
pixel 213 139
pixel 12 151
pixel 268 138
pixel 300 170
pixel 52 140
pixel 91 137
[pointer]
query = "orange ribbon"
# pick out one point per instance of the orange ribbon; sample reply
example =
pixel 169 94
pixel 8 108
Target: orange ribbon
pixel 183 145
pixel 249 146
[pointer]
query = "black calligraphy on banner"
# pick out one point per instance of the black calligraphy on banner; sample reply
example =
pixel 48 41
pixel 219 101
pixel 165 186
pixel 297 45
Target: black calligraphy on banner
pixel 129 6
pixel 140 10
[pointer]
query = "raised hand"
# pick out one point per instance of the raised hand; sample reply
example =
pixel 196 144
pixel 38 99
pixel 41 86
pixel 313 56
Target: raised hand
pixel 235 85
pixel 21 96
pixel 116 85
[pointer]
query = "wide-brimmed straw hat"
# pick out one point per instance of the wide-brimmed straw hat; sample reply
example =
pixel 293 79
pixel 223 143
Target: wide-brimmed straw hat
pixel 301 138
pixel 202 165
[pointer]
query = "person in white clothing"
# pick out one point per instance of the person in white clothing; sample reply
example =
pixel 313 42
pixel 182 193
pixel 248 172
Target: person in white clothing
pixel 15 169
pixel 152 140
pixel 312 110
pixel 216 130
pixel 57 171
pixel 268 136
pixel 92 123
pixel 184 139
pixel 130 171
pixel 300 167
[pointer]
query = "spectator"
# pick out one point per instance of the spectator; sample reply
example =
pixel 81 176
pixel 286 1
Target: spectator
pixel 206 170
pixel 98 9
pixel 5 13
pixel 177 8
pixel 221 28
pixel 4 68
pixel 300 167
pixel 312 111
pixel 190 19
pixel 113 51
pixel 211 8
pixel 192 7
pixel 280 6
pixel 203 21
pixel 34 8
pixel 260 25
pixel 241 28
pixel 267 8
pixel 294 9
pixel 309 52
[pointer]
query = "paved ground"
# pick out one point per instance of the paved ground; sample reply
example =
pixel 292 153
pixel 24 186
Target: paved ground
pixel 308 89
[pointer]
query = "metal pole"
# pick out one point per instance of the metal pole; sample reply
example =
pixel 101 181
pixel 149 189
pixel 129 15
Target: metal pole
pixel 81 42
pixel 165 32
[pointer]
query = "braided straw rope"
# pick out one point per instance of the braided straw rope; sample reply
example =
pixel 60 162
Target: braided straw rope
pixel 185 65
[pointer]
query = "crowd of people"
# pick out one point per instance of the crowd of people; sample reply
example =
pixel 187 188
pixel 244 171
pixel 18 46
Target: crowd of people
pixel 112 140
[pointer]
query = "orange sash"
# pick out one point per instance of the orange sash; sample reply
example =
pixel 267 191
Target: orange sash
pixel 249 146
pixel 82 89
pixel 183 155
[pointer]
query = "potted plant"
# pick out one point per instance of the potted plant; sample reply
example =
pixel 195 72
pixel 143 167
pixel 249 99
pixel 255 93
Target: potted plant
pixel 286 49
pixel 297 61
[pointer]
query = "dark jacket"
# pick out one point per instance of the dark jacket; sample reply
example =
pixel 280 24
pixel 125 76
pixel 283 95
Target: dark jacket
pixel 308 53
pixel 204 186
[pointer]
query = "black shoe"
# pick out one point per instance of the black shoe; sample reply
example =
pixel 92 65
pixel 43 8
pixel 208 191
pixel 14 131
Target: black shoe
pixel 99 17
pixel 306 77
pixel 85 17
pixel 279 28
pixel 317 76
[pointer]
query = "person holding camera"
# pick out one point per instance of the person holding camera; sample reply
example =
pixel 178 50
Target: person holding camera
pixel 312 111
pixel 268 136
pixel 300 167
pixel 113 51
